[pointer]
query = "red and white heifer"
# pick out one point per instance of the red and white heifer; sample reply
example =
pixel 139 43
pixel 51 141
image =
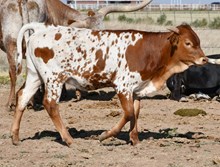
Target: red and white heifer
pixel 134 63
pixel 15 13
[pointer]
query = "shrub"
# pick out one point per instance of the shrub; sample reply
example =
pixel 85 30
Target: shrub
pixel 215 24
pixel 200 23
pixel 149 20
pixel 129 20
pixel 107 18
pixel 121 17
pixel 169 23
pixel 162 19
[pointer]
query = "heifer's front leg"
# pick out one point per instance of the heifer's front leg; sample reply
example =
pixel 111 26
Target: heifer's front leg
pixel 52 108
pixel 128 108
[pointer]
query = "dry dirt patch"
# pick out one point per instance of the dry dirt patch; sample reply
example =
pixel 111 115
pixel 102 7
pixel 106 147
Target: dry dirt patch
pixel 166 139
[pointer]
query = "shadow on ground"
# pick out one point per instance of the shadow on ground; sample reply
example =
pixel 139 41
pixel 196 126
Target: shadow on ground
pixel 124 136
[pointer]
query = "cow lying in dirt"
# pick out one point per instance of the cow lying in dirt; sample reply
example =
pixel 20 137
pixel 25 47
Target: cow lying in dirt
pixel 134 63
pixel 198 82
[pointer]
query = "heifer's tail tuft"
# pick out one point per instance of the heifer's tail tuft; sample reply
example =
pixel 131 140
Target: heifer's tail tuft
pixel 30 26
pixel 214 61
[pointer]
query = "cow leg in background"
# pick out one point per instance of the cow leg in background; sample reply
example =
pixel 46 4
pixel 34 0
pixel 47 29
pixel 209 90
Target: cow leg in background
pixel 128 108
pixel 52 108
pixel 11 48
pixel 23 96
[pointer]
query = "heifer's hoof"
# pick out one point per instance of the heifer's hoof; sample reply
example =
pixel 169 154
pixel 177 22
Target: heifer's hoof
pixel 15 141
pixel 134 139
pixel 69 142
pixel 103 136
pixel 10 107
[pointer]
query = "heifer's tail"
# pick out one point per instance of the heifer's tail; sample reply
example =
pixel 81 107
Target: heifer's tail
pixel 30 26
pixel 214 61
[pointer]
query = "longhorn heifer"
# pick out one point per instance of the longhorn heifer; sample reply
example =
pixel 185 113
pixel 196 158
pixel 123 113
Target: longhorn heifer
pixel 15 13
pixel 134 63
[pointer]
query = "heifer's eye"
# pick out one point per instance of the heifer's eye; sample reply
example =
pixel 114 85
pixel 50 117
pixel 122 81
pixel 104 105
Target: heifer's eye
pixel 188 43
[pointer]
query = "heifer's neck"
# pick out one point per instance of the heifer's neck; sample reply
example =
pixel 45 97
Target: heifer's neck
pixel 171 67
pixel 168 63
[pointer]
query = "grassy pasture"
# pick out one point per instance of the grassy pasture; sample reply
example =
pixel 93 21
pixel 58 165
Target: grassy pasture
pixel 177 17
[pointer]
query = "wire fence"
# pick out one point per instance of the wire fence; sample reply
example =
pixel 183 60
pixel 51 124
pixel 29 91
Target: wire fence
pixel 97 4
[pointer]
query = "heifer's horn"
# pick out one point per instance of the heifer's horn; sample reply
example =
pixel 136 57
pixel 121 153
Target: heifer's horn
pixel 174 29
pixel 128 8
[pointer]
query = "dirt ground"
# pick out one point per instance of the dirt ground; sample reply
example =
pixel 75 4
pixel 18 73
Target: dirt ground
pixel 167 140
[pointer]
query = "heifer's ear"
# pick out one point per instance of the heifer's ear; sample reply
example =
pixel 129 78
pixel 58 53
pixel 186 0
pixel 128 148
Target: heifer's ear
pixel 174 38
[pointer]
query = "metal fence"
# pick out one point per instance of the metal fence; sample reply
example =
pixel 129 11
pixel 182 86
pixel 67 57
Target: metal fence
pixel 83 5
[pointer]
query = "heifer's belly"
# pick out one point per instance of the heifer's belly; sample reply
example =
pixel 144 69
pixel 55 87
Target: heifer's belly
pixel 144 88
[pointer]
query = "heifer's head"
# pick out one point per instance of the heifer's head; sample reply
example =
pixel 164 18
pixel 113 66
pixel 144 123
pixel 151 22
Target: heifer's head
pixel 186 46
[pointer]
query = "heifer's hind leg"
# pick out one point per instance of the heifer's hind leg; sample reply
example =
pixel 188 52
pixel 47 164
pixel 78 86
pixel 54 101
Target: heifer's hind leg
pixel 133 125
pixel 51 98
pixel 128 108
pixel 23 96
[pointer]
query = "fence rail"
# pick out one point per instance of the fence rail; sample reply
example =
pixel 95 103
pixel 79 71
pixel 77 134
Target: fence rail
pixel 83 5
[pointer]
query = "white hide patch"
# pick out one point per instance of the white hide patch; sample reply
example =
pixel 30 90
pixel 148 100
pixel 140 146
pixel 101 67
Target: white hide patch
pixel 145 89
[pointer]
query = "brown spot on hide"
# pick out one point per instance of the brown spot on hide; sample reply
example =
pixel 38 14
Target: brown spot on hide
pixel 12 7
pixel 96 33
pixel 45 53
pixel 70 22
pixel 100 65
pixel 58 36
pixel 78 49
pixel 136 59
pixel 119 64
pixel 107 50
pixel 133 37
pixel 32 5
pixel 91 13
pixel 92 49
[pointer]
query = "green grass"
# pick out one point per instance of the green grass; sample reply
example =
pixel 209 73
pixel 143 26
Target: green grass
pixel 4 80
pixel 189 112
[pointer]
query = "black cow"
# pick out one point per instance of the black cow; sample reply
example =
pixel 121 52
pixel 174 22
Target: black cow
pixel 197 79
